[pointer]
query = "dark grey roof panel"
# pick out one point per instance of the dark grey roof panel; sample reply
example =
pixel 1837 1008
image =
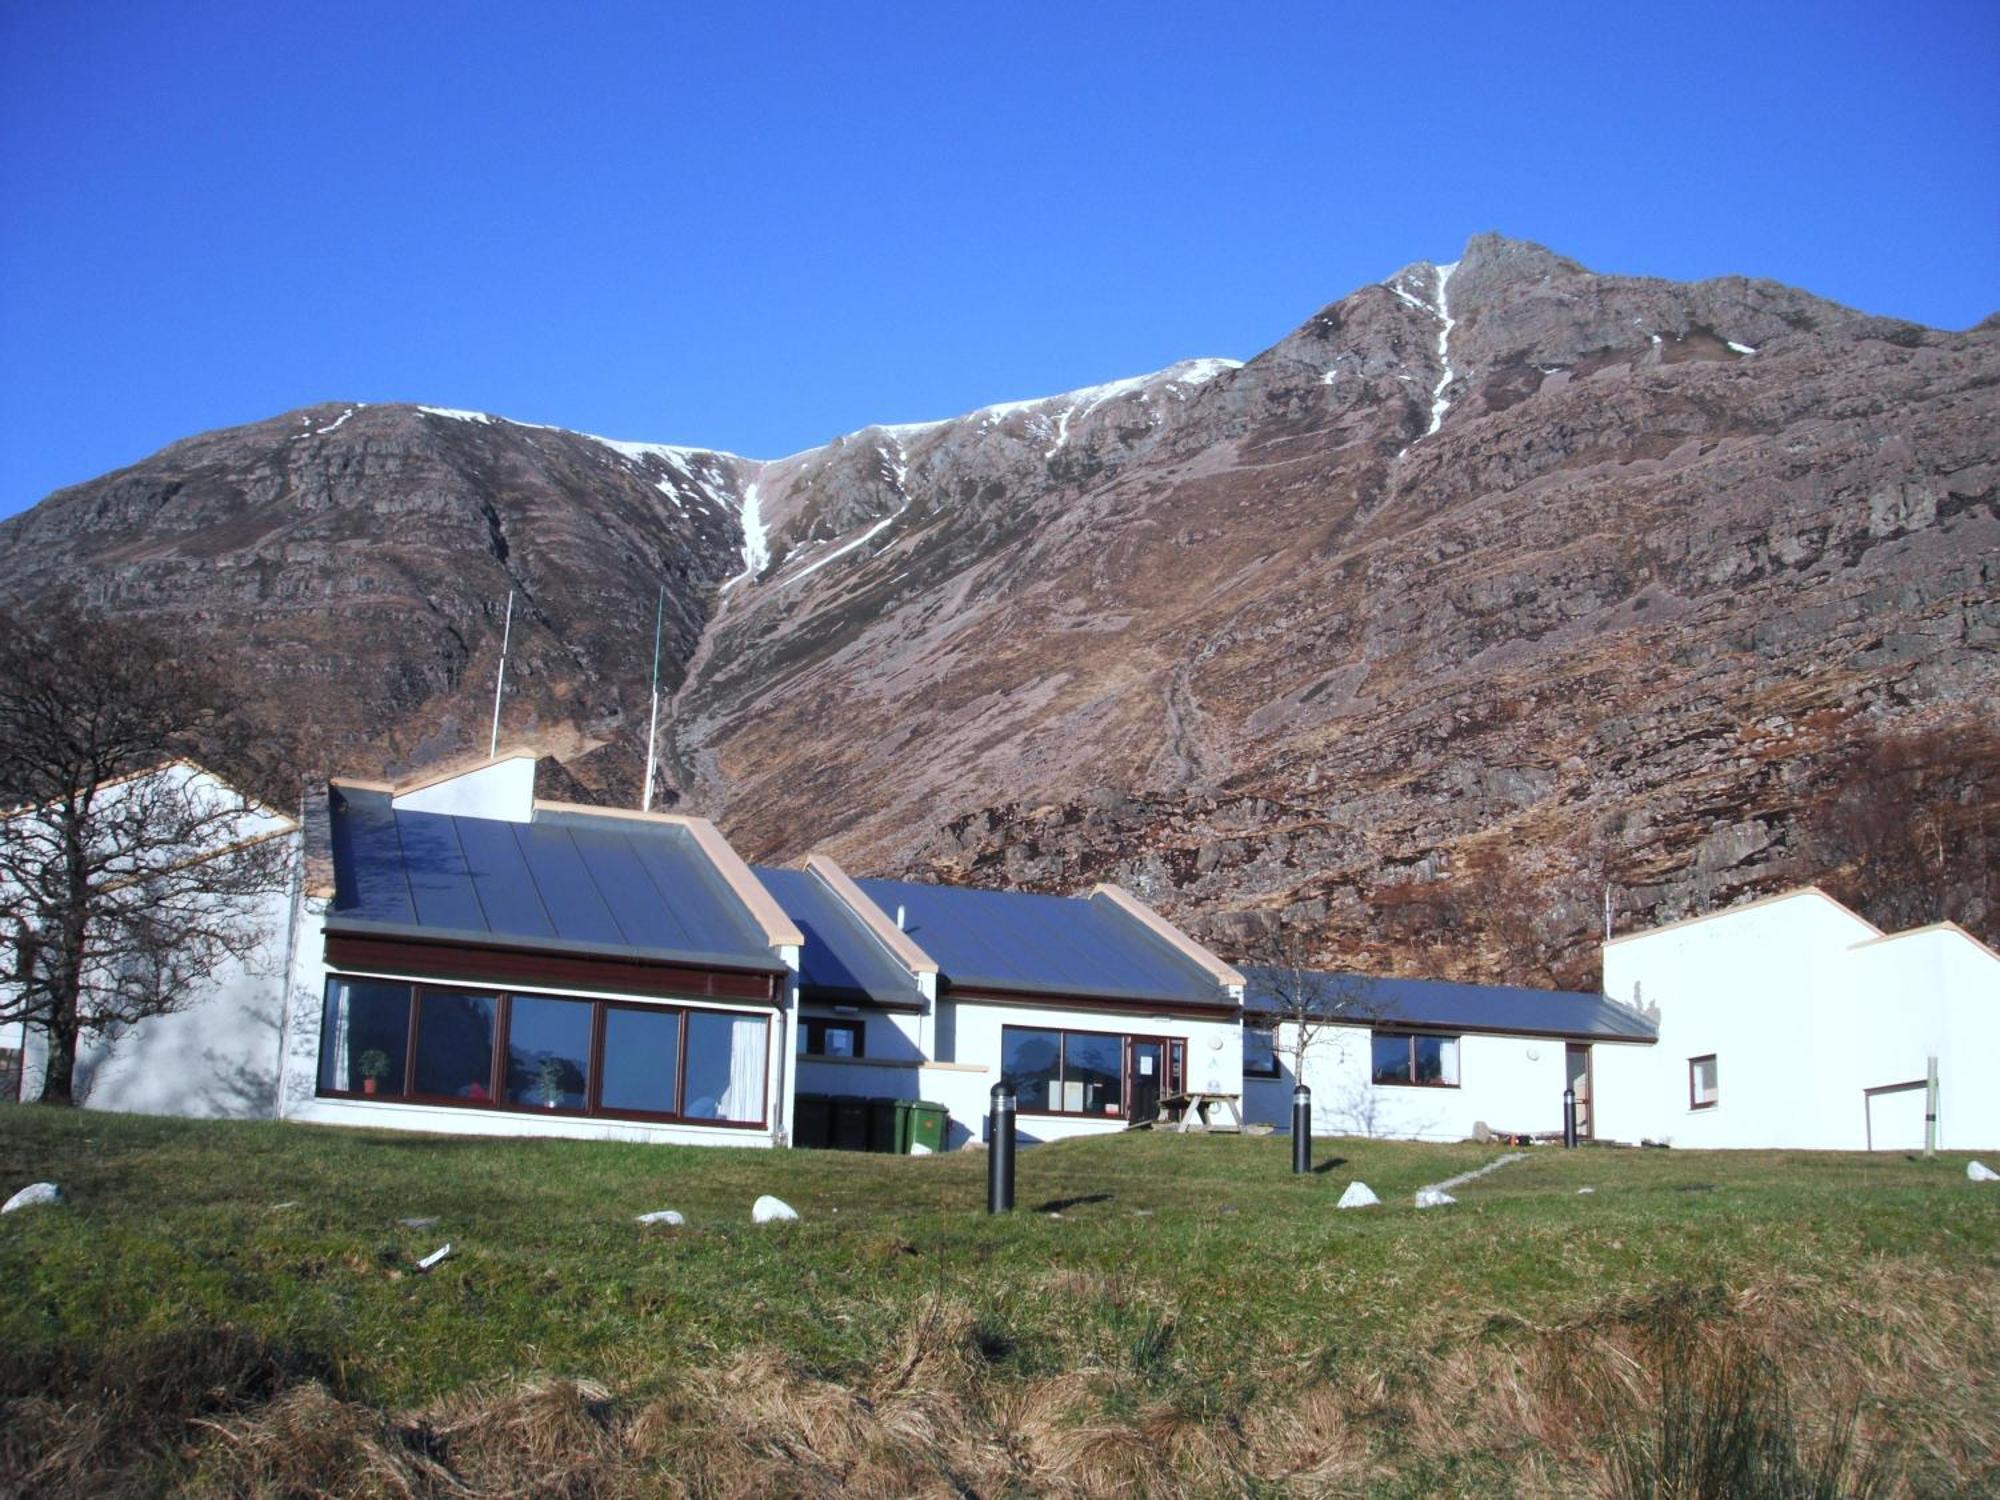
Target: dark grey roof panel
pixel 842 960
pixel 1045 945
pixel 1442 1005
pixel 642 889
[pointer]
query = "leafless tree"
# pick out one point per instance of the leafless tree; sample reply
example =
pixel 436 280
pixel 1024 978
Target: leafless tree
pixel 1904 828
pixel 1303 996
pixel 127 876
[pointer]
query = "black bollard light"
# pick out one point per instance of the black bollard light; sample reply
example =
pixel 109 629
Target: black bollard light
pixel 1302 1130
pixel 1000 1151
pixel 1569 1119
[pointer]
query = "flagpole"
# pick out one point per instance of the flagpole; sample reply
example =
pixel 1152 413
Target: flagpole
pixel 653 722
pixel 500 678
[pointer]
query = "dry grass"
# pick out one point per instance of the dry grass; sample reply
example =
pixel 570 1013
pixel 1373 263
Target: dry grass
pixel 1886 1392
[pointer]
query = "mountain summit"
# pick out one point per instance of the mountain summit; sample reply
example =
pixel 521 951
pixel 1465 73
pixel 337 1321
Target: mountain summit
pixel 1499 561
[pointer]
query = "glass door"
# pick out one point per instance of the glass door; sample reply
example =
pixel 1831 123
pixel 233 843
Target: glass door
pixel 1146 1067
pixel 1576 1075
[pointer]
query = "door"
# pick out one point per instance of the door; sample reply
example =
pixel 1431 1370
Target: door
pixel 1146 1067
pixel 1576 1075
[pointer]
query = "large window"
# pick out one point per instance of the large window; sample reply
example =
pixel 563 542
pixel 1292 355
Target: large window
pixel 1260 1051
pixel 1703 1090
pixel 542 1052
pixel 1403 1057
pixel 1085 1072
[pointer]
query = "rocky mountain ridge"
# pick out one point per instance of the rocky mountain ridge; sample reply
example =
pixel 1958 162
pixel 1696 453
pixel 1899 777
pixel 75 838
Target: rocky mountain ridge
pixel 1499 572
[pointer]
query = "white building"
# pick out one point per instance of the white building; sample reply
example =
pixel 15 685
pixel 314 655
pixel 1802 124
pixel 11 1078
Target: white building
pixel 1793 1022
pixel 217 1055
pixel 1419 1059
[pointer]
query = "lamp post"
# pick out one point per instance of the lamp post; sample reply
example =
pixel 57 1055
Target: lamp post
pixel 1302 1130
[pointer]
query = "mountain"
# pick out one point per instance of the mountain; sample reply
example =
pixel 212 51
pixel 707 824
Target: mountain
pixel 1491 584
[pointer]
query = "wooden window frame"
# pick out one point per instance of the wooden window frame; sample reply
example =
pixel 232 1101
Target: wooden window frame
pixel 813 1030
pixel 1173 1060
pixel 593 1108
pixel 1411 1081
pixel 1695 1102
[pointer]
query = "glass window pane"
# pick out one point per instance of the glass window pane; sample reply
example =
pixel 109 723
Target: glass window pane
pixel 1031 1064
pixel 364 1033
pixel 1704 1081
pixel 1094 1073
pixel 642 1056
pixel 1260 1052
pixel 1391 1057
pixel 725 1067
pixel 840 1040
pixel 455 1045
pixel 1436 1059
pixel 548 1052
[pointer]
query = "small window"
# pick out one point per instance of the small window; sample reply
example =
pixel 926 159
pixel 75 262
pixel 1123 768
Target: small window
pixel 1415 1059
pixel 1260 1051
pixel 1702 1091
pixel 830 1038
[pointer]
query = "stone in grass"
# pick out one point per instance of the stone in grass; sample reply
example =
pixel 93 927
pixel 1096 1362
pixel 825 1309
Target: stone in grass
pixel 32 1196
pixel 423 1223
pixel 665 1216
pixel 1358 1195
pixel 1431 1197
pixel 769 1210
pixel 1582 1191
pixel 1978 1171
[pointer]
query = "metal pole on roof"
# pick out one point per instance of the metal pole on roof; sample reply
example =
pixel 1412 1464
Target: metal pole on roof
pixel 653 722
pixel 500 679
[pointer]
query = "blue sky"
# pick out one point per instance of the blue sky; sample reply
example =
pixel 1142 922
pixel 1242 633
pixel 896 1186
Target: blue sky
pixel 755 228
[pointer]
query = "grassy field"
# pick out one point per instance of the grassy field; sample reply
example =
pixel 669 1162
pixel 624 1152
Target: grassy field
pixel 235 1308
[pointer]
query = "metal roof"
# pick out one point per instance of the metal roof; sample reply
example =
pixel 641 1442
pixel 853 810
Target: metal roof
pixel 1440 1005
pixel 1043 945
pixel 564 883
pixel 842 961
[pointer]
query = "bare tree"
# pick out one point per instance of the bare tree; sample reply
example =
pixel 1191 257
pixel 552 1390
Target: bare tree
pixel 1904 827
pixel 1299 995
pixel 128 876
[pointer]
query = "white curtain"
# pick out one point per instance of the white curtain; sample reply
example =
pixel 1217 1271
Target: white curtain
pixel 744 1098
pixel 333 1040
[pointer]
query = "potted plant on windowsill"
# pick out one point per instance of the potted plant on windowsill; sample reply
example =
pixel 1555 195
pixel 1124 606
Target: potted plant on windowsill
pixel 374 1066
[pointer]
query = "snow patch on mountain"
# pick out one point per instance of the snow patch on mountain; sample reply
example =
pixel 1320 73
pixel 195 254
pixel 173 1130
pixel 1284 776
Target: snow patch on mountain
pixel 1176 380
pixel 756 540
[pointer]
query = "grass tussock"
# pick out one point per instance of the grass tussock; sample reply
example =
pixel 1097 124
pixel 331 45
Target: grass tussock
pixel 1694 1394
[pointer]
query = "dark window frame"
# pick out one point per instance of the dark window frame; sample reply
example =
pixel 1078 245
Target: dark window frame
pixel 1173 1062
pixel 1694 1101
pixel 1410 1079
pixel 593 1108
pixel 1276 1069
pixel 812 1036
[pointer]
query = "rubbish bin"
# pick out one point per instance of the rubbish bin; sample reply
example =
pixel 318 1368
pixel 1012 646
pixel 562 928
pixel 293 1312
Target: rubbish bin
pixel 850 1125
pixel 885 1122
pixel 926 1127
pixel 812 1121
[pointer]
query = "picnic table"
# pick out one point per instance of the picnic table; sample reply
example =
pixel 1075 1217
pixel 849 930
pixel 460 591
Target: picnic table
pixel 1189 1111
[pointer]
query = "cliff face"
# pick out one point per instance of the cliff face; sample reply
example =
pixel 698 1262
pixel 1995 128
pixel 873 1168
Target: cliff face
pixel 1503 572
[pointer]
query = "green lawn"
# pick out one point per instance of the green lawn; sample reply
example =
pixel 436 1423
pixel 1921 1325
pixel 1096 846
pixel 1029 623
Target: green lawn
pixel 1141 1268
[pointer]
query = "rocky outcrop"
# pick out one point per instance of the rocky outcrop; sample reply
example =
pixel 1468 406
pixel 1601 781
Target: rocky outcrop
pixel 1504 572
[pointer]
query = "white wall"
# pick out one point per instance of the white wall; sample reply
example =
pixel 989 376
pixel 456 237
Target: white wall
pixel 1804 1005
pixel 1512 1084
pixel 503 789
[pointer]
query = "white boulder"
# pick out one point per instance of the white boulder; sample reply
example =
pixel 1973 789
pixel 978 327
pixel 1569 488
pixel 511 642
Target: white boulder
pixel 33 1195
pixel 665 1216
pixel 769 1210
pixel 1431 1197
pixel 1358 1195
pixel 1582 1191
pixel 1978 1171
